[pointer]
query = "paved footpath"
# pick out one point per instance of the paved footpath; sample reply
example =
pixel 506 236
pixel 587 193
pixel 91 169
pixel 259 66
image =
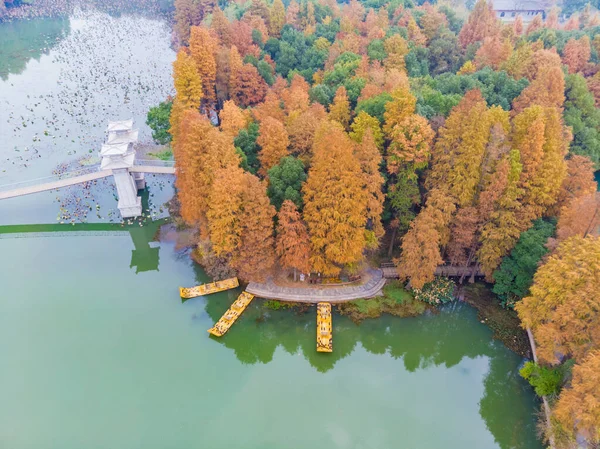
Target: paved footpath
pixel 79 179
pixel 370 289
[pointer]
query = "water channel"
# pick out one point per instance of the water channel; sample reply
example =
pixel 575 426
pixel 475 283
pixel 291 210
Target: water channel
pixel 97 349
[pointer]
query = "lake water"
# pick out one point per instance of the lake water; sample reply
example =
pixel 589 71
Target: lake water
pixel 96 348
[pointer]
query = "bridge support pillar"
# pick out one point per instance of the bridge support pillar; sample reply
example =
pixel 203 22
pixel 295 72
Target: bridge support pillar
pixel 130 204
pixel 140 181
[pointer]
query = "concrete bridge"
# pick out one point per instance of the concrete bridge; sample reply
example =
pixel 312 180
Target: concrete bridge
pixel 118 159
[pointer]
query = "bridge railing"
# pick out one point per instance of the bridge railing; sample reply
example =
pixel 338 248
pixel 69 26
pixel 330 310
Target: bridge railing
pixel 154 163
pixel 51 178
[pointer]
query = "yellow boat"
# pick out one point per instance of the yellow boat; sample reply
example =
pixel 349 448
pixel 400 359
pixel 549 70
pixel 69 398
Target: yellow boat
pixel 207 289
pixel 324 328
pixel 232 314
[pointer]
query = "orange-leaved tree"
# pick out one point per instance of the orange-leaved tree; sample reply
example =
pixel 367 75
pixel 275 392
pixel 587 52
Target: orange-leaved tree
pixel 274 142
pixel 396 48
pixel 203 48
pixel 482 23
pixel 577 411
pixel 563 308
pixel 361 123
pixel 460 149
pixel 292 243
pixel 232 118
pixel 577 53
pixel 199 153
pixel 220 27
pixel 248 87
pixel 535 24
pixel 578 182
pixel 185 17
pixel 255 255
pixel 188 90
pixel 581 216
pixel 499 209
pixel 224 204
pixel 277 18
pixel 369 157
pixel 547 89
pixel 421 253
pixel 302 130
pixel 270 107
pixel 542 140
pixel 240 219
pixel 420 250
pixel 339 110
pixel 335 202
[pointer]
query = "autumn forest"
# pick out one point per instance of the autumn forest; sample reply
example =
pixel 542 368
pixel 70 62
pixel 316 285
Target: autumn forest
pixel 319 137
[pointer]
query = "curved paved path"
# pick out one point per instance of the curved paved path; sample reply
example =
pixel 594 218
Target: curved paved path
pixel 269 290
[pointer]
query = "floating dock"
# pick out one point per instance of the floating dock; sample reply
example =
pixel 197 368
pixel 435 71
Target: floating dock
pixel 232 314
pixel 324 328
pixel 207 289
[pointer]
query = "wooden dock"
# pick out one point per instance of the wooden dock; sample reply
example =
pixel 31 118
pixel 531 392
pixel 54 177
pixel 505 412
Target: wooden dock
pixel 207 289
pixel 324 328
pixel 232 314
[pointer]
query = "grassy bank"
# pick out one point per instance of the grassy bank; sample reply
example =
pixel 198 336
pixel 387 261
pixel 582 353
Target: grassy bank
pixel 395 301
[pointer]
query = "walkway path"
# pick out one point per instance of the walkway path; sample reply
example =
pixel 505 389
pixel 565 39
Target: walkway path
pixel 55 185
pixel 28 190
pixel 269 290
pixel 149 169
pixel 442 270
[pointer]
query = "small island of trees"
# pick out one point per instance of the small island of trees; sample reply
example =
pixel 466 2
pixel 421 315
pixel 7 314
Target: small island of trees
pixel 311 136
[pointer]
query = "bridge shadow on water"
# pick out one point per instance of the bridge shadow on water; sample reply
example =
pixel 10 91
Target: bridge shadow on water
pixel 145 256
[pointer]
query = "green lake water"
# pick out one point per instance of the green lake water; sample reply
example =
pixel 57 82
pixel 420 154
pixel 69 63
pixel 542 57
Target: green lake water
pixel 98 351
pixel 96 348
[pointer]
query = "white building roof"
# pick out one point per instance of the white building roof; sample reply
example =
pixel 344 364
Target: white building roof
pixel 123 137
pixel 112 163
pixel 521 5
pixel 119 126
pixel 118 149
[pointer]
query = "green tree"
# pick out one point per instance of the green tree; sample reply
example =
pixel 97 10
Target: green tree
pixel 158 120
pixel 444 53
pixel 266 71
pixel 376 50
pixel 515 274
pixel 417 62
pixel 583 117
pixel 403 195
pixel 374 106
pixel 546 381
pixel 321 93
pixel 246 143
pixel 285 182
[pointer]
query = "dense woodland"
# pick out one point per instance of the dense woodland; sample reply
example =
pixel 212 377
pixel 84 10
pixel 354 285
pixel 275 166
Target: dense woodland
pixel 305 135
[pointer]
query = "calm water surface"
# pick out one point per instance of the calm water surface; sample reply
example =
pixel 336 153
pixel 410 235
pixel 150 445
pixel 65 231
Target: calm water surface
pixel 61 81
pixel 98 351
pixel 96 348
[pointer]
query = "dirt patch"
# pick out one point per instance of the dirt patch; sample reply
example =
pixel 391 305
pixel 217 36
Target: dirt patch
pixel 504 323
